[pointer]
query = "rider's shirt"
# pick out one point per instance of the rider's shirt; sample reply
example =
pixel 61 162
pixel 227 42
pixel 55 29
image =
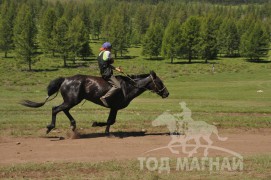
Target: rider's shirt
pixel 106 55
pixel 105 60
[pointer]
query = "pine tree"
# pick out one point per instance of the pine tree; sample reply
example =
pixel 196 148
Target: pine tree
pixel 191 35
pixel 61 39
pixel 152 42
pixel 141 23
pixel 171 40
pixel 59 9
pixel 118 33
pixel 78 38
pixel 85 16
pixel 233 39
pixel 47 24
pixel 245 23
pixel 229 38
pixel 7 16
pixel 208 43
pixel 70 10
pixel 25 36
pixel 97 24
pixel 255 43
pixel 160 14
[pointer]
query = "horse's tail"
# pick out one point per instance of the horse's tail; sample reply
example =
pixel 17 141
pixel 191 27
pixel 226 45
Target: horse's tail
pixel 52 88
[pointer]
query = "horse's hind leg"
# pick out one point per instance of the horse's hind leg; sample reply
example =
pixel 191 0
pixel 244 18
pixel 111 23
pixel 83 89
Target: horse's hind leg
pixel 55 110
pixel 73 122
pixel 53 122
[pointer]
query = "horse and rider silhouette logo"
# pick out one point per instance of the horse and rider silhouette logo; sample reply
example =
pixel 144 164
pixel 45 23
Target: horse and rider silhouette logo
pixel 184 130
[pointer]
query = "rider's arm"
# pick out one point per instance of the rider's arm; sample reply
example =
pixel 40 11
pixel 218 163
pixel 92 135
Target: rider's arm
pixel 108 57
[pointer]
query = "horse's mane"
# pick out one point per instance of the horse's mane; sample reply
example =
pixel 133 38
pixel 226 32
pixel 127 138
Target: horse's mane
pixel 138 76
pixel 134 77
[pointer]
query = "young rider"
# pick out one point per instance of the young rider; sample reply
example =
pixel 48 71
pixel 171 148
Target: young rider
pixel 105 62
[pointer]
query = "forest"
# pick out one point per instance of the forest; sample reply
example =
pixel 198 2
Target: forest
pixel 169 29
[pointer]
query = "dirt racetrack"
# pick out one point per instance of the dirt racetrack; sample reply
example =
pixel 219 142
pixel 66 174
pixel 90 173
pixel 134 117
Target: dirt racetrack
pixel 131 145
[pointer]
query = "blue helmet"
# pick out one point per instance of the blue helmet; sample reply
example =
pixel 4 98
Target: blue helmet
pixel 107 45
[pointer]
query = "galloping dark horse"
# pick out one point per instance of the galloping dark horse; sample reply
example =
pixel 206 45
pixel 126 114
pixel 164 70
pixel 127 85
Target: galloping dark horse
pixel 76 88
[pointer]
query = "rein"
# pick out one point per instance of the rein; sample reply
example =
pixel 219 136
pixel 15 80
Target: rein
pixel 155 85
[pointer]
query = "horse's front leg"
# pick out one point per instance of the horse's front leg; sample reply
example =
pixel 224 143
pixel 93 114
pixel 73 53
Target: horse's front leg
pixel 111 120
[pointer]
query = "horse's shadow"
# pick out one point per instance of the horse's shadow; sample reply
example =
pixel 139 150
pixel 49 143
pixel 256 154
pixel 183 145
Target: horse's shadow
pixel 120 134
pixel 79 135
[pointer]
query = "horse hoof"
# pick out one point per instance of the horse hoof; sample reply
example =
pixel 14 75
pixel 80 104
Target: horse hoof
pixel 73 128
pixel 49 128
pixel 94 124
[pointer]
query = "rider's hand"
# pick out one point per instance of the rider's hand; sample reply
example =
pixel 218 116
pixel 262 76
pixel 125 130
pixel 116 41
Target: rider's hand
pixel 119 69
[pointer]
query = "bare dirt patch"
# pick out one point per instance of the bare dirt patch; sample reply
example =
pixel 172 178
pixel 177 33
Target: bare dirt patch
pixel 130 145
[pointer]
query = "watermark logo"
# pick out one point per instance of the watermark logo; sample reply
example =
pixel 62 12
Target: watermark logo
pixel 187 136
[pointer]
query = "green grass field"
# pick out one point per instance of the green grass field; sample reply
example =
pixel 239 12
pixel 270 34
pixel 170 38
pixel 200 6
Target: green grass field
pixel 228 96
pixel 257 167
pixel 235 95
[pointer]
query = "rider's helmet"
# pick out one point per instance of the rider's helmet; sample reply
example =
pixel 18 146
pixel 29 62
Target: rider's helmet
pixel 107 45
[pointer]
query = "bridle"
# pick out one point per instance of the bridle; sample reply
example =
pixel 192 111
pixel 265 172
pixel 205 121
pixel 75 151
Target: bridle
pixel 155 85
pixel 159 90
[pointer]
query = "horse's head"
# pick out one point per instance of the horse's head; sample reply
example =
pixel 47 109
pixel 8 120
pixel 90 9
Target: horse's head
pixel 157 85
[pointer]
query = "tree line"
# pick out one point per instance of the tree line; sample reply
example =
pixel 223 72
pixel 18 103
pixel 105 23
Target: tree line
pixel 172 29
